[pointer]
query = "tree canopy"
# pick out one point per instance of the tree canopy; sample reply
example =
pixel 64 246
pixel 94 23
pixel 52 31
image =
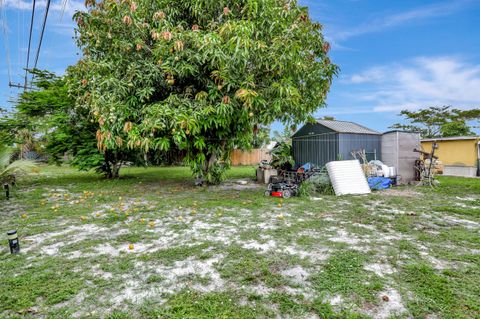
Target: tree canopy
pixel 46 121
pixel 198 75
pixel 441 121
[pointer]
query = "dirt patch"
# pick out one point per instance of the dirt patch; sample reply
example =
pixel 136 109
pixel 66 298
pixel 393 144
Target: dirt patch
pixel 399 192
pixel 336 300
pixel 239 185
pixel 174 278
pixel 380 269
pixel 390 304
pixel 10 210
pixel 68 236
pixel 345 237
pixel 470 198
pixel 461 222
pixel 263 247
pixel 297 275
pixel 316 255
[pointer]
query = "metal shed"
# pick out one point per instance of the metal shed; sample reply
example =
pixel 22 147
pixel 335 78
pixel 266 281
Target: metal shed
pixel 327 140
pixel 397 151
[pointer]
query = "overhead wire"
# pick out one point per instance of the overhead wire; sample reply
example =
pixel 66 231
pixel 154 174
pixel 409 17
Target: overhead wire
pixel 7 45
pixel 64 6
pixel 19 56
pixel 42 33
pixel 29 43
pixel 23 36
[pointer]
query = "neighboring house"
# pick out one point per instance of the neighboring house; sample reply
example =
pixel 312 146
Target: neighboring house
pixel 460 155
pixel 327 140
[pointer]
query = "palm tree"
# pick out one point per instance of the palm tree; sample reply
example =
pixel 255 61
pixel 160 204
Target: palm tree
pixel 26 142
pixel 9 172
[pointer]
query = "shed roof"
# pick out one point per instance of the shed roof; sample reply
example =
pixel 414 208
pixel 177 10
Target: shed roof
pixel 401 131
pixel 346 127
pixel 453 138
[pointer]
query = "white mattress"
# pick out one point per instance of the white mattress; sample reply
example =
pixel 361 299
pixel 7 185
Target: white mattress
pixel 348 178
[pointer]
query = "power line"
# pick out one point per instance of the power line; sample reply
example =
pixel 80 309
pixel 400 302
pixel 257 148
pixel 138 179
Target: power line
pixel 41 34
pixel 64 6
pixel 23 36
pixel 7 45
pixel 29 43
pixel 19 56
pixel 21 86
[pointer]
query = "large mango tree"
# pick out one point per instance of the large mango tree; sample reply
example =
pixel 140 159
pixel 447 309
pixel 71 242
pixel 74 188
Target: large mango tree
pixel 200 76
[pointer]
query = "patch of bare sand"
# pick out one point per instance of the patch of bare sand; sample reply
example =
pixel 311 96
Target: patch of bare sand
pixel 400 192
pixel 389 304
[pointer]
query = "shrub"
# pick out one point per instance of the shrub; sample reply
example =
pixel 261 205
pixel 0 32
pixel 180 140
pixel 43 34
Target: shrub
pixel 319 183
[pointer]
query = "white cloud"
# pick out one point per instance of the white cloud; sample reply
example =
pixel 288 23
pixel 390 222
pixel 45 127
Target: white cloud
pixel 423 81
pixel 60 13
pixel 401 18
pixel 371 75
pixel 71 6
pixel 343 111
pixel 20 4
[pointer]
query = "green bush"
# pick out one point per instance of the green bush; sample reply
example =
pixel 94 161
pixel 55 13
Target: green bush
pixel 317 184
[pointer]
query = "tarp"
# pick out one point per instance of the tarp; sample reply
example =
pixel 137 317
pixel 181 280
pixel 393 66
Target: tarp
pixel 378 183
pixel 347 178
pixel 305 168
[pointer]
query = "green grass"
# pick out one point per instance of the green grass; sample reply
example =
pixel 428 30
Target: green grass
pixel 178 253
pixel 343 274
pixel 440 292
pixel 52 281
pixel 193 305
pixel 228 252
pixel 247 267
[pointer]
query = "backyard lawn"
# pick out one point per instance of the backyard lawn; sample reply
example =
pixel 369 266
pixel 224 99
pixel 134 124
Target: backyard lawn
pixel 151 245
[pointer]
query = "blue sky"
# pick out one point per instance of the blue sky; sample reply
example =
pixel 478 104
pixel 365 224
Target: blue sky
pixel 393 55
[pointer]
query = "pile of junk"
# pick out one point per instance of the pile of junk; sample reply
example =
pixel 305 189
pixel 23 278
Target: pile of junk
pixel 357 176
pixel 379 176
pixel 285 183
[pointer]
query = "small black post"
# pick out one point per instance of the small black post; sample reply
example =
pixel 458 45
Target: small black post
pixel 6 187
pixel 13 241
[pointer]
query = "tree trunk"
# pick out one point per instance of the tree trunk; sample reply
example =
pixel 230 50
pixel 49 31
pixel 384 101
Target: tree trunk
pixel 112 165
pixel 211 161
pixel 116 169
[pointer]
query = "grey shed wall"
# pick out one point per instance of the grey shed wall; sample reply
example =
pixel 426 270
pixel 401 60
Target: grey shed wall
pixel 310 129
pixel 372 144
pixel 318 149
pixel 397 151
pixel 317 144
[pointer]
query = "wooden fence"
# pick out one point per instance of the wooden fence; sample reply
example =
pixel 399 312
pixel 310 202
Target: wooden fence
pixel 252 157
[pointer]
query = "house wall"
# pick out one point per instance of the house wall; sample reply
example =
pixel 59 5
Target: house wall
pixel 354 142
pixel 462 171
pixel 456 152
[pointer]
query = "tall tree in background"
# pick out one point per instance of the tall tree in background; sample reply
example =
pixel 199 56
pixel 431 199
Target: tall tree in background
pixel 7 127
pixel 198 75
pixel 47 116
pixel 442 121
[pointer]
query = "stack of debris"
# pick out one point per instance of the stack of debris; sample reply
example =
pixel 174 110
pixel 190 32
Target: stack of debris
pixel 426 167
